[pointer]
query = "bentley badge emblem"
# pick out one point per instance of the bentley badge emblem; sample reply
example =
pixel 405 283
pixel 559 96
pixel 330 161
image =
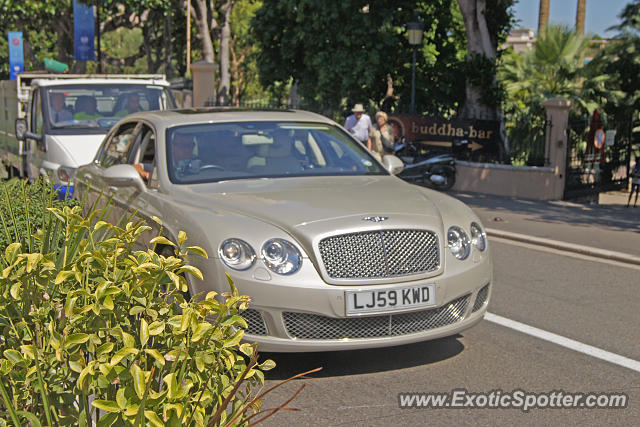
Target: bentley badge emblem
pixel 375 218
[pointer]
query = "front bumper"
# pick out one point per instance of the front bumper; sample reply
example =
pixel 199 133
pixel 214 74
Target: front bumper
pixel 286 316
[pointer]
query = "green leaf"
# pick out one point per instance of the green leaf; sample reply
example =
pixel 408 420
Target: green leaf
pixel 234 320
pixel 121 400
pixel 35 422
pixel 128 340
pixel 234 340
pixel 156 355
pixel 161 240
pixel 13 355
pixel 192 270
pixel 182 237
pixel 108 420
pixel 121 354
pixel 267 365
pixel 12 252
pixel 138 380
pixel 32 261
pixel 144 332
pixel 64 275
pixel 156 328
pixel 153 418
pixel 77 338
pixel 108 303
pixel 200 330
pixel 15 290
pixel 172 385
pixel 198 251
pixel 106 405
pixel 104 348
pixel 28 351
pixel 246 348
pixel 136 310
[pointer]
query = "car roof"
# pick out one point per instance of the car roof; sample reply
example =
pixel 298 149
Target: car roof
pixel 169 118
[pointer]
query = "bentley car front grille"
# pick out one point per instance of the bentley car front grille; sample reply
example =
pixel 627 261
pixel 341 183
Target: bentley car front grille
pixel 380 253
pixel 481 298
pixel 255 322
pixel 315 327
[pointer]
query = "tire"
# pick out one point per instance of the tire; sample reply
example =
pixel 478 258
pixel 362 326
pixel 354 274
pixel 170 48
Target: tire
pixel 449 175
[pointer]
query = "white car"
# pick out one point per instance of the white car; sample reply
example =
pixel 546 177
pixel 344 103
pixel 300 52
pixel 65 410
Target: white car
pixel 335 251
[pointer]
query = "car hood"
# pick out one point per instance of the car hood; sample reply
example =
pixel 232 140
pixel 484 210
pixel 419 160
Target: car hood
pixel 78 149
pixel 311 202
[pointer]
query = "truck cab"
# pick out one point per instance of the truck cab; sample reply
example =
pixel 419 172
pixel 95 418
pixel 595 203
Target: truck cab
pixel 65 120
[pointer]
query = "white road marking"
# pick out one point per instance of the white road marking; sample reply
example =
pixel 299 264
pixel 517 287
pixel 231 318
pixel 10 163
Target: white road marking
pixel 565 342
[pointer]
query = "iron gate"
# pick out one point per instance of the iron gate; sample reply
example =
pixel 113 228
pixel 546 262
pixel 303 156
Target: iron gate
pixel 591 170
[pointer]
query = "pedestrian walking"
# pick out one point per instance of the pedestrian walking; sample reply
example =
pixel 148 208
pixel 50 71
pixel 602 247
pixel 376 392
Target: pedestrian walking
pixel 359 125
pixel 635 182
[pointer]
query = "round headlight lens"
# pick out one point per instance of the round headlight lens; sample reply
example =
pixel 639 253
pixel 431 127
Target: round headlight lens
pixel 281 256
pixel 478 237
pixel 237 254
pixel 459 243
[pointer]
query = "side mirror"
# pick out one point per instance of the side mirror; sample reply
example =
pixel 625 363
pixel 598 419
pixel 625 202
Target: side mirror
pixel 123 176
pixel 21 129
pixel 393 164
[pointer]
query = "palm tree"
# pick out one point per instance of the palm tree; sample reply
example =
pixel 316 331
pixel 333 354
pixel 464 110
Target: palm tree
pixel 543 16
pixel 581 12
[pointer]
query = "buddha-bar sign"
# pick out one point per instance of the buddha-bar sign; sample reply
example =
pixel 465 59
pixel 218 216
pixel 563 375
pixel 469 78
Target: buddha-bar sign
pixel 468 138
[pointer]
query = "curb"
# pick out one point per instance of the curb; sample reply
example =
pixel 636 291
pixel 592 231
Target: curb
pixel 564 246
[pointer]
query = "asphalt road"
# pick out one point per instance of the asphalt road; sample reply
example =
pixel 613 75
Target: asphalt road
pixel 591 302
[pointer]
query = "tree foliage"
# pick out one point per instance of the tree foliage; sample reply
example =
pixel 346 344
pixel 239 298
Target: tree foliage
pixel 349 52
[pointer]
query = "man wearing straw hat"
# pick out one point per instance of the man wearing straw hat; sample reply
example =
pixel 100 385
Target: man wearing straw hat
pixel 359 125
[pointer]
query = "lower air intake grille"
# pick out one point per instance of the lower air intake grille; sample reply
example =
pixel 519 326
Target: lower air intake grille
pixel 481 298
pixel 255 322
pixel 314 327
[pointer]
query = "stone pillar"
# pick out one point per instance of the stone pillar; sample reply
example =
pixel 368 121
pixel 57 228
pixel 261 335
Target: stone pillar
pixel 204 78
pixel 557 141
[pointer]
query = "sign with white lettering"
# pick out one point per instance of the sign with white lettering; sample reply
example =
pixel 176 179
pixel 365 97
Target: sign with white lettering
pixel 467 137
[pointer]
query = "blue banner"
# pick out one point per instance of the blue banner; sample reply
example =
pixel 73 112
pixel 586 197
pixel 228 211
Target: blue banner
pixel 16 54
pixel 83 31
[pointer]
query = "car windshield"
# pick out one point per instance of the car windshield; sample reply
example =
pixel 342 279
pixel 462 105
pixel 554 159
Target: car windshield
pixel 100 106
pixel 243 150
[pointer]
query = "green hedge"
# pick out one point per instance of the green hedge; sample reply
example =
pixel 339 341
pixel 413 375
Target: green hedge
pixel 24 205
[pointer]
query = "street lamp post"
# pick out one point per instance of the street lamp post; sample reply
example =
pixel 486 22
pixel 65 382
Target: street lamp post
pixel 415 29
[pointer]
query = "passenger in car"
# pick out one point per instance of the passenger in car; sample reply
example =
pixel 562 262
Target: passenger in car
pixel 86 108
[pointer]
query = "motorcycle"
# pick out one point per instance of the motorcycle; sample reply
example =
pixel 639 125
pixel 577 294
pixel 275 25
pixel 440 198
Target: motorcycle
pixel 434 169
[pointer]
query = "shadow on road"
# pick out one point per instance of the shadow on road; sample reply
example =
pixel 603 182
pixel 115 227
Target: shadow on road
pixel 355 362
pixel 616 217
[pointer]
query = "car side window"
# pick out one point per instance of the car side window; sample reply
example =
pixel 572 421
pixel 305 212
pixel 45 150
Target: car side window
pixel 118 147
pixel 144 159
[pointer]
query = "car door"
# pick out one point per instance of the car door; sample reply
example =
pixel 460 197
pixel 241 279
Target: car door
pixel 146 204
pixel 115 150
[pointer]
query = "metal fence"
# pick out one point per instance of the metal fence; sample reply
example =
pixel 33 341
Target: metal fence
pixel 591 170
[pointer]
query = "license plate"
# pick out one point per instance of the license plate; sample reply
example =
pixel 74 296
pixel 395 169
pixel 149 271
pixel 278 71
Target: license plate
pixel 390 299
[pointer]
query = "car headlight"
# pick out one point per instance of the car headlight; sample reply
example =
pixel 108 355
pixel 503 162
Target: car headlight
pixel 281 256
pixel 237 254
pixel 478 237
pixel 458 242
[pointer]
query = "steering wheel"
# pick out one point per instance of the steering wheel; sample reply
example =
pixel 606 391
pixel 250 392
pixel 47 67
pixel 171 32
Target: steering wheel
pixel 211 166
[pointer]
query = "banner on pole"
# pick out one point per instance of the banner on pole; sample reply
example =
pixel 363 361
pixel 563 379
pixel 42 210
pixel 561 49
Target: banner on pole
pixel 16 54
pixel 83 31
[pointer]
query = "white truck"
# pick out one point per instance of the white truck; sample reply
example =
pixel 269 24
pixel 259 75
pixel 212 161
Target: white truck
pixel 52 123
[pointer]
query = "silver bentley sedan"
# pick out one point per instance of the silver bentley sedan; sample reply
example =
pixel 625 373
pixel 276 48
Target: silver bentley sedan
pixel 335 251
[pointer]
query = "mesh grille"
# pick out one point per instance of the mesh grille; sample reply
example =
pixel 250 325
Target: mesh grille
pixel 385 253
pixel 481 298
pixel 314 327
pixel 255 322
